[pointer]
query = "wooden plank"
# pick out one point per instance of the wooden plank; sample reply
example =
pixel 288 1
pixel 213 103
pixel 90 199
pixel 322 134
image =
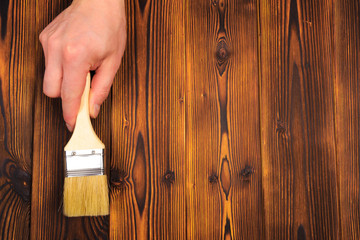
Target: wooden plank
pixel 297 120
pixel 224 191
pixel 148 122
pixel 50 137
pixel 17 78
pixel 347 106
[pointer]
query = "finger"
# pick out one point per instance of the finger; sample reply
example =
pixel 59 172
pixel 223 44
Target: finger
pixel 53 68
pixel 71 91
pixel 72 87
pixel 44 35
pixel 101 85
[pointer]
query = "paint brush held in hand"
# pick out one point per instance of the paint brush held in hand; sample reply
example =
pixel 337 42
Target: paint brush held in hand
pixel 86 190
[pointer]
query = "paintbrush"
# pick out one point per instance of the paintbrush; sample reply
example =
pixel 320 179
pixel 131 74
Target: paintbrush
pixel 86 190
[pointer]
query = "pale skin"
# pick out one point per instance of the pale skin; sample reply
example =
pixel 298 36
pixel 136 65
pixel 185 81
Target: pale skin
pixel 88 35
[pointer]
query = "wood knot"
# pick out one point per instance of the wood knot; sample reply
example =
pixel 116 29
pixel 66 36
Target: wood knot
pixel 222 51
pixel 246 172
pixel 281 128
pixel 19 180
pixel 213 178
pixel 126 122
pixel 169 177
pixel 222 55
pixel 181 99
pixel 222 4
pixel 118 178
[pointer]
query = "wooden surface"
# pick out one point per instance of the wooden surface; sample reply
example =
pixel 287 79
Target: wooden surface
pixel 297 120
pixel 17 82
pixel 228 119
pixel 347 114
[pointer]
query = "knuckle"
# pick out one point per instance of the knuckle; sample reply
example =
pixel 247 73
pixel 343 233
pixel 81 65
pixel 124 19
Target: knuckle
pixel 72 51
pixel 42 37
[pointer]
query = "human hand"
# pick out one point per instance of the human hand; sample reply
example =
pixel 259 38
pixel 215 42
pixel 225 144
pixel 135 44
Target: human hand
pixel 88 35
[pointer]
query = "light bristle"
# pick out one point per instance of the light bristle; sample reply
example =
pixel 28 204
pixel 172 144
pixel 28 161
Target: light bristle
pixel 86 196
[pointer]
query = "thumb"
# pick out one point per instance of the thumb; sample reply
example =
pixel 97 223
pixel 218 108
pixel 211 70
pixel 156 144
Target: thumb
pixel 100 87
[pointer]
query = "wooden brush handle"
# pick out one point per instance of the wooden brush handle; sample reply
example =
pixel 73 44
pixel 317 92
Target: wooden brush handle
pixel 83 114
pixel 84 136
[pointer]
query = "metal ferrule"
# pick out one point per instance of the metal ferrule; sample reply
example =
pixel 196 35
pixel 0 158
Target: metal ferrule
pixel 82 163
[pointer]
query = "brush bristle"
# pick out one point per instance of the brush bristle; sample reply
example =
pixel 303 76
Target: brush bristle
pixel 86 196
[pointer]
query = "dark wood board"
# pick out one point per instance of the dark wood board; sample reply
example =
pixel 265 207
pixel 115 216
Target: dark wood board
pixel 228 119
pixel 17 81
pixel 347 108
pixel 297 120
pixel 148 112
pixel 224 190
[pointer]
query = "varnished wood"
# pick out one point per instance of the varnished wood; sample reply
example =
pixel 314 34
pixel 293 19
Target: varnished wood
pixel 297 120
pixel 228 119
pixel 222 121
pixel 17 80
pixel 347 108
pixel 147 165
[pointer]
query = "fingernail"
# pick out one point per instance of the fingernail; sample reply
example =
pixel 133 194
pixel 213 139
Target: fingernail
pixel 69 127
pixel 95 110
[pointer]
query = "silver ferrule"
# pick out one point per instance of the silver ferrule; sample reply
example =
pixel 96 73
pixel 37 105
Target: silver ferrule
pixel 82 163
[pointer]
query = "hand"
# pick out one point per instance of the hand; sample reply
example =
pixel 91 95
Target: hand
pixel 88 35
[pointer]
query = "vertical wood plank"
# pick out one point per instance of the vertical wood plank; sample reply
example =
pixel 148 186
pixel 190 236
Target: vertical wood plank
pixel 224 198
pixel 147 164
pixel 50 137
pixel 17 78
pixel 297 120
pixel 347 105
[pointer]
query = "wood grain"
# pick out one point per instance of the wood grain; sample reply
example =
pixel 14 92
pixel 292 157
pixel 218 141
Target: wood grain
pixel 347 105
pixel 17 78
pixel 224 196
pixel 50 137
pixel 297 120
pixel 147 165
pixel 228 119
